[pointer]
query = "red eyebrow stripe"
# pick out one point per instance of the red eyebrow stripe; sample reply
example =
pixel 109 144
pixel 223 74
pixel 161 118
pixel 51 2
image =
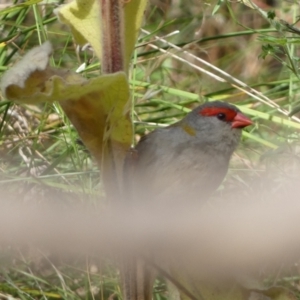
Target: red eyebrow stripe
pixel 213 111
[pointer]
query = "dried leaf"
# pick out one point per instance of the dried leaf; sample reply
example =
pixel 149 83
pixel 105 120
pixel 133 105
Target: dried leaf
pixel 96 107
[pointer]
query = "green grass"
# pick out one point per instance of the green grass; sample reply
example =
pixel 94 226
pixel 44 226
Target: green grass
pixel 184 56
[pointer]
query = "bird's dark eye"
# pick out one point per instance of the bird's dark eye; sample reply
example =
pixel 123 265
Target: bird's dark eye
pixel 221 116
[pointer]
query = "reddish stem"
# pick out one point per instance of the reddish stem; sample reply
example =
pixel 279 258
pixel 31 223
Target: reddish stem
pixel 112 36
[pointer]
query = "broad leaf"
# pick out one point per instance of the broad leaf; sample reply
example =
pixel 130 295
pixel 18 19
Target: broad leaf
pixel 83 18
pixel 96 107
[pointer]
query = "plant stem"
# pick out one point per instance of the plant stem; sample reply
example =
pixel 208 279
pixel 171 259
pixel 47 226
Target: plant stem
pixel 112 36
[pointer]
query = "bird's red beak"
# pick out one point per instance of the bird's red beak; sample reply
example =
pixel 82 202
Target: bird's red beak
pixel 240 121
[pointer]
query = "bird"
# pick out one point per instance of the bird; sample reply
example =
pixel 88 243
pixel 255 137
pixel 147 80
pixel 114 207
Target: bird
pixel 188 159
pixel 181 165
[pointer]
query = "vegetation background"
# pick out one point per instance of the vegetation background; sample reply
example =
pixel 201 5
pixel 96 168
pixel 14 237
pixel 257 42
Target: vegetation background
pixel 42 158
